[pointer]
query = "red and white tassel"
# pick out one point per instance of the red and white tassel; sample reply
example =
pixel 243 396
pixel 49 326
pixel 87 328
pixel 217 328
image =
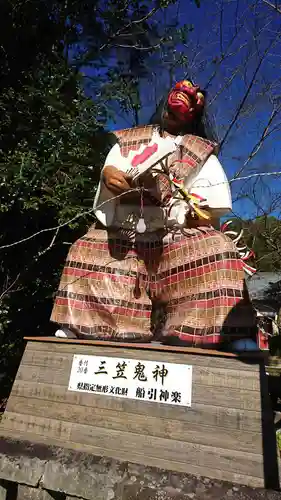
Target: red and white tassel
pixel 244 252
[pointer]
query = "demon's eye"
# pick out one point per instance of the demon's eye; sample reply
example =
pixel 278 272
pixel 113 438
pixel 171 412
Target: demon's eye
pixel 200 95
pixel 187 83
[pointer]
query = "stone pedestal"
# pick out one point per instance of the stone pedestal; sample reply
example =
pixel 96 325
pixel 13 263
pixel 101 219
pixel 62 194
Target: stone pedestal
pixel 91 445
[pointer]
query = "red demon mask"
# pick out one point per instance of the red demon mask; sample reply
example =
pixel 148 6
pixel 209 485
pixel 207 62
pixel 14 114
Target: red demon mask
pixel 186 101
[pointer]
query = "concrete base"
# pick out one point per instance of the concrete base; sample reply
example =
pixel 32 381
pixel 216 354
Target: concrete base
pixel 39 472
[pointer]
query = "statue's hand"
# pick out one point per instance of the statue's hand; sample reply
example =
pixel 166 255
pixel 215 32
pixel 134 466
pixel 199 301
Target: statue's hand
pixel 116 181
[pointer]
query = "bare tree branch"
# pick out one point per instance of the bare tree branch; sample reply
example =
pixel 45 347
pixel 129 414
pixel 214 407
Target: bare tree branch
pixel 225 55
pixel 138 47
pixel 52 242
pixel 275 7
pixel 64 224
pixel 91 211
pixel 266 133
pixel 9 287
pixel 129 25
pixel 250 86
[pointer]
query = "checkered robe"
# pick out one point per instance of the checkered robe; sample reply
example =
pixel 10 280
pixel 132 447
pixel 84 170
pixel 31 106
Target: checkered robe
pixel 112 280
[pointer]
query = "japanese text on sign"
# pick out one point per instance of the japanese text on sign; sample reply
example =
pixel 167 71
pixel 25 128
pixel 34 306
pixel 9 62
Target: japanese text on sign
pixel 155 381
